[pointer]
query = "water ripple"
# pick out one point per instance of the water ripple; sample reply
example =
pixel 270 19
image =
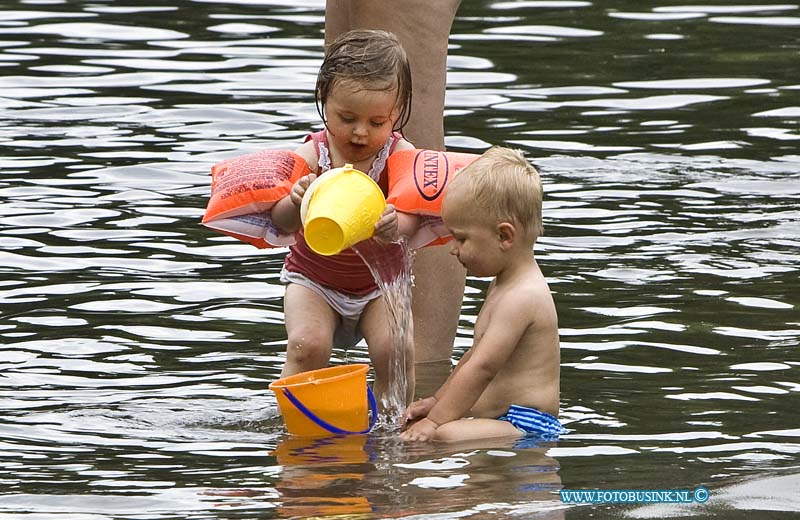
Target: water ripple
pixel 137 346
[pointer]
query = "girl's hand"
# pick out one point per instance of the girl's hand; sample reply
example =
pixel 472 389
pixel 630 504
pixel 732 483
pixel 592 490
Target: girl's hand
pixel 421 431
pixel 386 229
pixel 300 187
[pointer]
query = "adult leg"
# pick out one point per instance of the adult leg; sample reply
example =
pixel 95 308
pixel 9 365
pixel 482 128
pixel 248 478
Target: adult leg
pixel 375 326
pixel 337 19
pixel 423 27
pixel 310 323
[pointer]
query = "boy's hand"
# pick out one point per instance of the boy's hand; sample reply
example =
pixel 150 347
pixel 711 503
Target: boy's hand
pixel 386 227
pixel 300 187
pixel 421 431
pixel 417 410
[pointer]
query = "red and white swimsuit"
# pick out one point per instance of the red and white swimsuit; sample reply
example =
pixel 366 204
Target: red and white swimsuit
pixel 345 272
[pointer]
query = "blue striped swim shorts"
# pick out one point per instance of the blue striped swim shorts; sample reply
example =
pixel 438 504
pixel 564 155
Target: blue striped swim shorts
pixel 531 420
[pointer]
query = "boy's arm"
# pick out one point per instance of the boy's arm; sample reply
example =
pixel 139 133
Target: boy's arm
pixel 483 361
pixel 472 375
pixel 420 409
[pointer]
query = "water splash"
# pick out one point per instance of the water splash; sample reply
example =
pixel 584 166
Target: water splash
pixel 395 281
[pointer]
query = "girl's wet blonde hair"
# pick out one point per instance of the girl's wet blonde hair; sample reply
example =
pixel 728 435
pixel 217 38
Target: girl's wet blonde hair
pixel 372 59
pixel 504 187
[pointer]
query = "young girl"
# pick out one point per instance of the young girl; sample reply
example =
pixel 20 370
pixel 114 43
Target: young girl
pixel 363 95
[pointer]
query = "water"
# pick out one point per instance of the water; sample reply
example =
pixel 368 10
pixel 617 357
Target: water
pixel 137 345
pixel 396 286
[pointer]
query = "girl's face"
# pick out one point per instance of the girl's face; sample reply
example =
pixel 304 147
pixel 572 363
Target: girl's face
pixel 360 121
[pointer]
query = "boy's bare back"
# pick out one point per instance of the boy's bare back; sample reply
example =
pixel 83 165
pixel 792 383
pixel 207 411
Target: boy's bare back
pixel 530 374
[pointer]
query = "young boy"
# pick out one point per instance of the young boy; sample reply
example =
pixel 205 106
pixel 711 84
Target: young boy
pixel 507 384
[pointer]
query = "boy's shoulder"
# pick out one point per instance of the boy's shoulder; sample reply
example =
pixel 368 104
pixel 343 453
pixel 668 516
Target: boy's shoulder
pixel 527 291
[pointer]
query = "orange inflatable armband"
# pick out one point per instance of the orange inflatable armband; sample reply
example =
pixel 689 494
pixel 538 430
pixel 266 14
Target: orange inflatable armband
pixel 244 189
pixel 417 182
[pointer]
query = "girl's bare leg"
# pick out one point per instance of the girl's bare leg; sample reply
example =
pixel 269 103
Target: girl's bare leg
pixel 310 323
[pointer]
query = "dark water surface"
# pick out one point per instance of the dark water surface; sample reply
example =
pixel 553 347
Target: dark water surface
pixel 137 346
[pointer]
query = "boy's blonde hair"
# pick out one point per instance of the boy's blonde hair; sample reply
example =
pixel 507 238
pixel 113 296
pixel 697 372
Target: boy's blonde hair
pixel 504 187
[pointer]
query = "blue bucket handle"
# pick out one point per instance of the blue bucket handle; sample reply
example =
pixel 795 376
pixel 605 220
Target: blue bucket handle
pixel 373 408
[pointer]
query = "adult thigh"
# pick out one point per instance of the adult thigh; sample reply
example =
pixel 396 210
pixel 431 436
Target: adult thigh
pixel 423 28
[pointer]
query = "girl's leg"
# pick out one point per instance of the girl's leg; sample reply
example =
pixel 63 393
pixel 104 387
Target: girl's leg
pixel 375 326
pixel 470 429
pixel 310 323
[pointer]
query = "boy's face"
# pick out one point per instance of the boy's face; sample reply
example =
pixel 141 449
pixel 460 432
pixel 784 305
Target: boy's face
pixel 475 244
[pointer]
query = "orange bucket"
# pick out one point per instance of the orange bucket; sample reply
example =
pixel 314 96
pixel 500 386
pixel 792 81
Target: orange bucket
pixel 334 400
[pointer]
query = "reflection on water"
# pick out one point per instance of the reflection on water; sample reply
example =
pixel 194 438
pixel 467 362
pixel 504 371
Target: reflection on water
pixel 323 476
pixel 137 347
